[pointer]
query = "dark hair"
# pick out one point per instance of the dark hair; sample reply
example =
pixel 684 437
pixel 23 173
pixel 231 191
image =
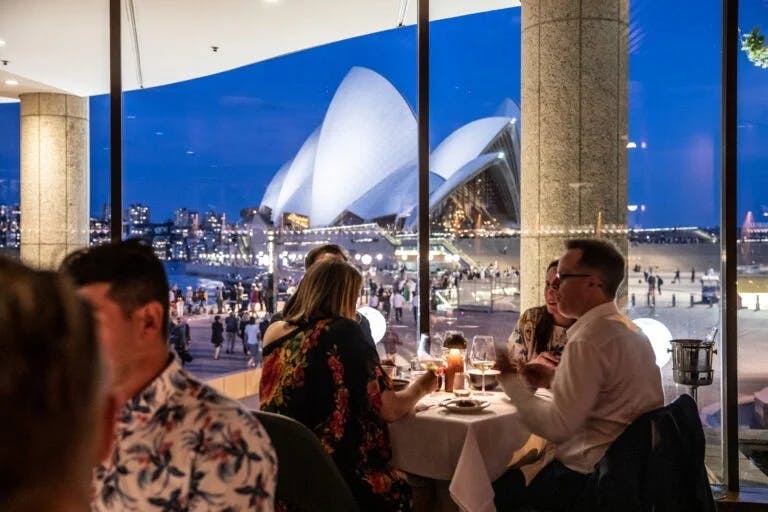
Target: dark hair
pixel 334 249
pixel 546 325
pixel 603 256
pixel 135 275
pixel 50 380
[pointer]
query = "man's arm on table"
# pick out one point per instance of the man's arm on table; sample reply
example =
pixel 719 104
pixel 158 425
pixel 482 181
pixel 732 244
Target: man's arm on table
pixel 574 391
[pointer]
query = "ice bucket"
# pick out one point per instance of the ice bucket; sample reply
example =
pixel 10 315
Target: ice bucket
pixel 692 361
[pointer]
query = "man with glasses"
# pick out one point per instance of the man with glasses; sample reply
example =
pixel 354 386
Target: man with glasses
pixel 180 445
pixel 607 377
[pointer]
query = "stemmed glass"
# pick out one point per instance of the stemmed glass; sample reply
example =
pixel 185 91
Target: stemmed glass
pixel 429 355
pixel 482 356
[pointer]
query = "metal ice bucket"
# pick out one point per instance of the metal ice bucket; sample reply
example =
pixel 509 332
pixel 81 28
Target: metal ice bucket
pixel 692 361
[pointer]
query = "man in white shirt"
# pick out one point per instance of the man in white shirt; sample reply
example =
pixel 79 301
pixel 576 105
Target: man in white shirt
pixel 607 377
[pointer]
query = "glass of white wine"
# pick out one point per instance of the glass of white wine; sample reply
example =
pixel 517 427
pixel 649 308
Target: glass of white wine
pixel 482 356
pixel 429 355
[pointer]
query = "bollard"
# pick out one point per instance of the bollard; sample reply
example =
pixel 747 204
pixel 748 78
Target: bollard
pixel 633 300
pixel 674 300
pixel 757 302
pixel 691 300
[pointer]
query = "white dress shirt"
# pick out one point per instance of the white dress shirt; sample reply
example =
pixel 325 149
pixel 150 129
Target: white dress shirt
pixel 606 379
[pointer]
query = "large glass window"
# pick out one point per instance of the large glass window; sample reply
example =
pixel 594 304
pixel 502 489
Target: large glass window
pixel 10 170
pixel 752 256
pixel 474 201
pixel 236 176
pixel 673 213
pixel 46 127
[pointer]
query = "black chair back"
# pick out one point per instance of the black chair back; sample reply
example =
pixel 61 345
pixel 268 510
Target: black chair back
pixel 656 464
pixel 307 477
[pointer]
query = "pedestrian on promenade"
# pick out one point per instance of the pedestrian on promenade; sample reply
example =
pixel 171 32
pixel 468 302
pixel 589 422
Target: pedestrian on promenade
pixel 253 340
pixel 179 307
pixel 219 300
pixel 230 328
pixel 244 320
pixel 397 302
pixel 659 282
pixel 217 336
pixel 677 276
pixel 693 274
pixel 181 340
pixel 651 297
pixel 384 300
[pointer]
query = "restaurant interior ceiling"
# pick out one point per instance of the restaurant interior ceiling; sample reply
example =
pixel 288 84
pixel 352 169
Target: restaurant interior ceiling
pixel 63 46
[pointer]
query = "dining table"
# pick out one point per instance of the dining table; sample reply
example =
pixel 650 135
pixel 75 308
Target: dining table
pixel 470 449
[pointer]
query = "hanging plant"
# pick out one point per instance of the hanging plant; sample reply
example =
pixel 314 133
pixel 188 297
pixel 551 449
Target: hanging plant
pixel 753 44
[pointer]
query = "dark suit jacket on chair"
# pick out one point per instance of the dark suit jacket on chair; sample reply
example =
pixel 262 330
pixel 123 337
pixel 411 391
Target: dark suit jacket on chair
pixel 657 465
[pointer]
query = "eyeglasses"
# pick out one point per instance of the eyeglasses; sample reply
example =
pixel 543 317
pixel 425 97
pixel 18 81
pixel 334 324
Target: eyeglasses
pixel 563 277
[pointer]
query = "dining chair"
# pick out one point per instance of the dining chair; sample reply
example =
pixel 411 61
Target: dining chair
pixel 307 477
pixel 656 464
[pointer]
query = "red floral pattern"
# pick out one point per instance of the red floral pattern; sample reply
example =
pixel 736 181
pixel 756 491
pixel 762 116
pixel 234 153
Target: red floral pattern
pixel 328 377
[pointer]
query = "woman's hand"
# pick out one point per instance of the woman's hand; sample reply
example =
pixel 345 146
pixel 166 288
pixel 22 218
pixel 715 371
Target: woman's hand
pixel 426 383
pixel 396 404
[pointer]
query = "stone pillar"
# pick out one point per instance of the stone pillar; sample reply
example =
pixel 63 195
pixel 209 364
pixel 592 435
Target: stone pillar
pixel 574 132
pixel 55 181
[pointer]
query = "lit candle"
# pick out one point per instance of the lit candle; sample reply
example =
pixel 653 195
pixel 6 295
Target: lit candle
pixel 455 365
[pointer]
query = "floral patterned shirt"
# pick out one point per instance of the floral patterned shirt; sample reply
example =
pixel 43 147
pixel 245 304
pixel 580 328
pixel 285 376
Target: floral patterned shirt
pixel 181 446
pixel 327 376
pixel 522 342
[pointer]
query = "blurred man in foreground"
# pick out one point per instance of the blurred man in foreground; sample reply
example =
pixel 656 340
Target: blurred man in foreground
pixel 57 415
pixel 606 379
pixel 180 444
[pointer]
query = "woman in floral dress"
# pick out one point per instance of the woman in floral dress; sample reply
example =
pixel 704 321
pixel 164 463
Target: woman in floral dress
pixel 539 338
pixel 319 370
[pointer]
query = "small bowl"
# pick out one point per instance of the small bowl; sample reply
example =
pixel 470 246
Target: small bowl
pixel 476 379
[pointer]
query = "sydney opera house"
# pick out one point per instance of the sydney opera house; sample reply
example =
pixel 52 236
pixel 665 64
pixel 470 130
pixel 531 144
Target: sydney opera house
pixel 359 166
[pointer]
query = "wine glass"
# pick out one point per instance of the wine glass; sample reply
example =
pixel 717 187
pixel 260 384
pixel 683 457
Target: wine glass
pixel 482 356
pixel 429 356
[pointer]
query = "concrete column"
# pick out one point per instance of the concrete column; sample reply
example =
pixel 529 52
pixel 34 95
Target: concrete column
pixel 55 181
pixel 574 132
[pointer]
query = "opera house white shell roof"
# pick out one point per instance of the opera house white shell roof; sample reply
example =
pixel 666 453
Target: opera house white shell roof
pixel 362 159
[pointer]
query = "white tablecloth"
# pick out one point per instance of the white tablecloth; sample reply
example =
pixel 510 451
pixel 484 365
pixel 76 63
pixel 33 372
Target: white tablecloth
pixel 470 450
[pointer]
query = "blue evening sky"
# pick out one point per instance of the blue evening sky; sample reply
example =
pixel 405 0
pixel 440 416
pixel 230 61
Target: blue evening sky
pixel 215 142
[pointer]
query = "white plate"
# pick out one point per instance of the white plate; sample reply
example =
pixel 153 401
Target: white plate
pixel 453 405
